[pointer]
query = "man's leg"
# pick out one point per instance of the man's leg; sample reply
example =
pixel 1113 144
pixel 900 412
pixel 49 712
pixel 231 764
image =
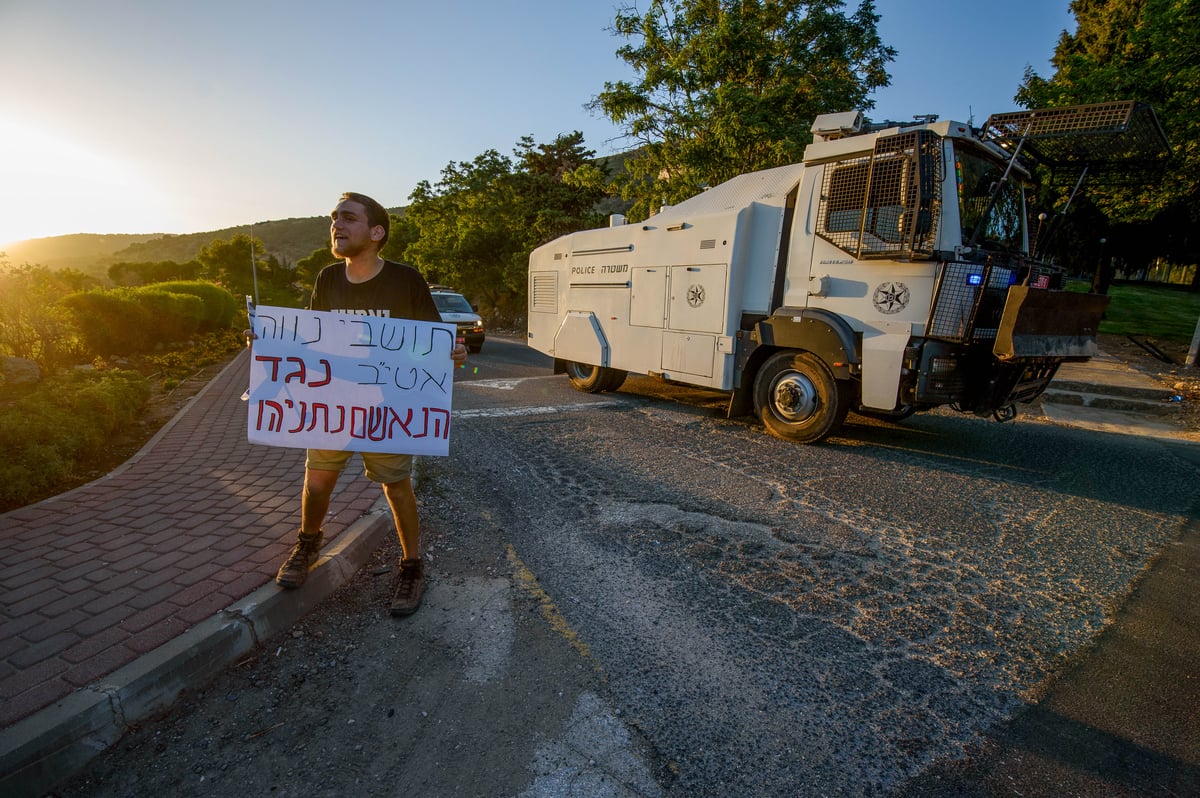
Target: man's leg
pixel 411 583
pixel 403 501
pixel 314 504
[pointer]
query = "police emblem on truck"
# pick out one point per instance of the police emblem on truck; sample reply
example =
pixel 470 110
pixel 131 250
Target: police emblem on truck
pixel 891 298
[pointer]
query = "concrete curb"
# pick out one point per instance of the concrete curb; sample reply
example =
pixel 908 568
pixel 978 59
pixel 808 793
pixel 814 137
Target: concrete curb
pixel 52 745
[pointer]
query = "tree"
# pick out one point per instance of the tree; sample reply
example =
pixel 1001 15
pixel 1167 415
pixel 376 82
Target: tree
pixel 228 263
pixel 558 186
pixel 464 235
pixel 33 323
pixel 142 273
pixel 308 268
pixel 1137 50
pixel 401 233
pixel 729 86
pixel 475 228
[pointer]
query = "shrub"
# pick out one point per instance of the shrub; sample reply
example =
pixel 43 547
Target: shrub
pixel 127 321
pixel 220 306
pixel 170 317
pixel 61 424
pixel 109 322
pixel 206 350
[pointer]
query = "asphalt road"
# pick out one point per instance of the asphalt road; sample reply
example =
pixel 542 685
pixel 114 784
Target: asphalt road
pixel 635 596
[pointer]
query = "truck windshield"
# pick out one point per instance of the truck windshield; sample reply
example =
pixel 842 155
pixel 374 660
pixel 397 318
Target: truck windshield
pixel 1005 225
pixel 452 303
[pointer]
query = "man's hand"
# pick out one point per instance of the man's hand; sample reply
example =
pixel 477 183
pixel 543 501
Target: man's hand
pixel 249 335
pixel 459 354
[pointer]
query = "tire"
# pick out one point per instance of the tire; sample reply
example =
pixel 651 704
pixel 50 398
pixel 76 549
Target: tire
pixel 797 397
pixel 616 378
pixel 594 379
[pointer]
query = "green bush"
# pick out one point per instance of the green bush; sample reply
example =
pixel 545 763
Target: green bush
pixel 60 425
pixel 129 321
pixel 220 306
pixel 110 322
pixel 170 317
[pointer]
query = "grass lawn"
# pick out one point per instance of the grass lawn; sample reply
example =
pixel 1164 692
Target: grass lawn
pixel 1149 310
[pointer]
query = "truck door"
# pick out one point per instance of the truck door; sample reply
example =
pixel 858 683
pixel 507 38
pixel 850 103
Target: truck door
pixel 648 296
pixel 697 298
pixel 695 317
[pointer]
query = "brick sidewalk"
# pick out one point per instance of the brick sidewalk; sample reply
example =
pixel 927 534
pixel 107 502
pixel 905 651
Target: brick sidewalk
pixel 94 578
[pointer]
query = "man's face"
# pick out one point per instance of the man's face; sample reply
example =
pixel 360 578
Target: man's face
pixel 350 233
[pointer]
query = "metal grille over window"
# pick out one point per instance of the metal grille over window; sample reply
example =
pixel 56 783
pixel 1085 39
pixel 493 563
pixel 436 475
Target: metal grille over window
pixel 1119 142
pixel 885 204
pixel 544 294
pixel 970 301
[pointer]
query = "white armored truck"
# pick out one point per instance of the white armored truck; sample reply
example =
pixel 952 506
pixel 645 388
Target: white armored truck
pixel 890 272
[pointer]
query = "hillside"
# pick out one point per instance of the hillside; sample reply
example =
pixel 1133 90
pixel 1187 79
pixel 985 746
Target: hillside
pixel 78 251
pixel 289 240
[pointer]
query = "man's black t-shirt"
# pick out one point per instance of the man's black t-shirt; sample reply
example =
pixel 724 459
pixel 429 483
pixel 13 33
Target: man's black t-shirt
pixel 398 291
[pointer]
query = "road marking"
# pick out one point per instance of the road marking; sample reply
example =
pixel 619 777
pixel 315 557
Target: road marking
pixel 527 582
pixel 502 384
pixel 506 412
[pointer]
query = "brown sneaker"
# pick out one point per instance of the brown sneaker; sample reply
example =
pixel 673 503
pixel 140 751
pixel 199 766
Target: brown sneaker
pixel 409 588
pixel 294 570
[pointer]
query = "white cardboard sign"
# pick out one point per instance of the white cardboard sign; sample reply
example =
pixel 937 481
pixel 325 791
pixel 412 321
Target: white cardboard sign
pixel 352 383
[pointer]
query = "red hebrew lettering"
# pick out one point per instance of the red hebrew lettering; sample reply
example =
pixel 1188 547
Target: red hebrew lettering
pixel 377 429
pixel 274 361
pixel 275 420
pixel 394 420
pixel 358 422
pixel 328 374
pixel 341 420
pixel 437 425
pixel 404 424
pixel 303 415
pixel 298 373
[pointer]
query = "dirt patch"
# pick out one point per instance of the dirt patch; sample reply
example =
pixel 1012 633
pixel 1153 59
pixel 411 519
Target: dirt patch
pixel 1162 361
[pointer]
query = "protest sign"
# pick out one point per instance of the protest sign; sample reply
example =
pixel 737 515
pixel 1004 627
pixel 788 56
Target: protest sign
pixel 353 383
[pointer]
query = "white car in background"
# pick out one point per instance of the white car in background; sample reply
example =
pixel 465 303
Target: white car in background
pixel 456 310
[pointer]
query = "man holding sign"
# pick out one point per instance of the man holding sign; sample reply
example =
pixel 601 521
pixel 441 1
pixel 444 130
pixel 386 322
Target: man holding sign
pixel 365 284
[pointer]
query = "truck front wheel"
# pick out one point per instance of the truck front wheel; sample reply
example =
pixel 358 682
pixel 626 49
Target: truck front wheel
pixel 594 379
pixel 797 397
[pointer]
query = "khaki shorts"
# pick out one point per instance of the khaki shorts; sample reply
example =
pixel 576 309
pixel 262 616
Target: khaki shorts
pixel 381 468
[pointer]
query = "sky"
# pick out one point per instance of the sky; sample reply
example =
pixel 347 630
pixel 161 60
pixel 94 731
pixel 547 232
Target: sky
pixel 181 116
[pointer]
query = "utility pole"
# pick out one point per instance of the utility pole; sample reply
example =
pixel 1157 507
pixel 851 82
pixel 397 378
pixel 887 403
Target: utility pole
pixel 1191 360
pixel 1101 280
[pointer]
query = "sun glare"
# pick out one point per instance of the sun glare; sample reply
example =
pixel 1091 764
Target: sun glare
pixel 52 185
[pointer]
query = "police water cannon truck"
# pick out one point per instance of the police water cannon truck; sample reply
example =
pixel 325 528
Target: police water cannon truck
pixel 894 270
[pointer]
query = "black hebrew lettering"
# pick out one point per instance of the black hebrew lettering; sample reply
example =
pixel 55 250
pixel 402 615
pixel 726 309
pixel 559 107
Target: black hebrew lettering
pixel 441 384
pixel 413 371
pixel 369 332
pixel 278 328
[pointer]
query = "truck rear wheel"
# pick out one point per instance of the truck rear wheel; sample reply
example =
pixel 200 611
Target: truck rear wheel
pixel 797 397
pixel 594 379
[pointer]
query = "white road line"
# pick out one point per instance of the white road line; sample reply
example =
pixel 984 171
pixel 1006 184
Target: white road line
pixel 500 385
pixel 506 412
